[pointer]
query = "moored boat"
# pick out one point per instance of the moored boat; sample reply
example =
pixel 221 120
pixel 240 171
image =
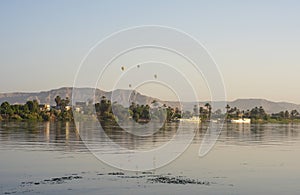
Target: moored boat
pixel 241 120
pixel 192 119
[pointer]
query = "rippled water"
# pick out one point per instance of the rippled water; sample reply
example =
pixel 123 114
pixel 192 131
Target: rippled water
pixel 247 159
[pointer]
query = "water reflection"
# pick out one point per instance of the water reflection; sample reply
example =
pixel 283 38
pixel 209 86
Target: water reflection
pixel 47 132
pixel 248 164
pixel 263 134
pixel 59 136
pixel 135 142
pixel 63 136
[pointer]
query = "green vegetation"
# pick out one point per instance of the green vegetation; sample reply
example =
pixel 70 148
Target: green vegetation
pixel 258 115
pixel 105 111
pixel 204 112
pixel 108 111
pixel 33 111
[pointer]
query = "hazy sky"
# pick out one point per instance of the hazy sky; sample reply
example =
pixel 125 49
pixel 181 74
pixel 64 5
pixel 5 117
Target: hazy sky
pixel 255 43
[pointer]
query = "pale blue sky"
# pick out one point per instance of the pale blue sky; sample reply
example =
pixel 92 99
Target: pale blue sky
pixel 255 43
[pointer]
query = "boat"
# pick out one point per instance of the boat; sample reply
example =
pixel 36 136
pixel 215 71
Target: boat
pixel 193 119
pixel 241 120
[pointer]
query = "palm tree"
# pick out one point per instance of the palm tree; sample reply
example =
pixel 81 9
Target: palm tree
pixel 209 108
pixel 67 100
pixel 201 113
pixel 294 113
pixel 227 110
pixel 58 101
pixel 195 109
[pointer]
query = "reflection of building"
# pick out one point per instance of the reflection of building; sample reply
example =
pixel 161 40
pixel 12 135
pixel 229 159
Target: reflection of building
pixel 67 130
pixel 47 132
pixel 45 107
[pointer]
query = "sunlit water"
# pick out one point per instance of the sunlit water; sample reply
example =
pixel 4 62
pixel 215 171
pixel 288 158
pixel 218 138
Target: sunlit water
pixel 247 159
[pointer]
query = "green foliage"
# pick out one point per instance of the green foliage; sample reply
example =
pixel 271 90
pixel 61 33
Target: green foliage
pixel 140 112
pixel 33 106
pixel 106 111
pixel 6 110
pixel 45 116
pixel 16 117
pixel 65 115
pixel 258 115
pixel 31 111
pixel 205 112
pixel 57 101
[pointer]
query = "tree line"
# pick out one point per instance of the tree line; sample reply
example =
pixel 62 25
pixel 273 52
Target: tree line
pixel 32 110
pixel 106 110
pixel 258 114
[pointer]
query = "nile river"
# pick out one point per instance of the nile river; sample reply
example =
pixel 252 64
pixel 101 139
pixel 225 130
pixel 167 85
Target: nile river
pixel 50 158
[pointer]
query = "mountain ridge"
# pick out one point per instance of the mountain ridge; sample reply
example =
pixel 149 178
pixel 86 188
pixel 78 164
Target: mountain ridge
pixel 47 97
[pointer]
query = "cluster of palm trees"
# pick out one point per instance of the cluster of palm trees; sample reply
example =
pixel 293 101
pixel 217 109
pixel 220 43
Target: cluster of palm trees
pixel 61 103
pixel 294 114
pixel 204 112
pixel 258 113
pixel 255 113
pixel 106 110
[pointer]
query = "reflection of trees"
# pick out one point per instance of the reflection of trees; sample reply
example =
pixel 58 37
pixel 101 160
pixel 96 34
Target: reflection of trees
pixel 59 136
pixel 62 136
pixel 108 111
pixel 260 133
pixel 131 141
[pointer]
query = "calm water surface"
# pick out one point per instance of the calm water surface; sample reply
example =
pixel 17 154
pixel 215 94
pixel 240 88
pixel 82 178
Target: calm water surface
pixel 247 159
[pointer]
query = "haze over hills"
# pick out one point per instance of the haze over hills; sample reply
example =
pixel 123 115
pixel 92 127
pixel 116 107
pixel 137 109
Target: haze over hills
pixel 47 97
pixel 269 106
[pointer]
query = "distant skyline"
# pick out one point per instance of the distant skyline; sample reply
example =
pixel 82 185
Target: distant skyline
pixel 256 44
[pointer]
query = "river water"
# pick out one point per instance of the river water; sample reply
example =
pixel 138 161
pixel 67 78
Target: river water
pixel 50 158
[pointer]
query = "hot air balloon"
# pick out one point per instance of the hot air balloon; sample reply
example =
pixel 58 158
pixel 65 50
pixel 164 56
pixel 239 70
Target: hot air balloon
pixel 122 68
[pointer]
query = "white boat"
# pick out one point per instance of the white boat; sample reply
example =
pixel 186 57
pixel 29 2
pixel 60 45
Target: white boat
pixel 241 120
pixel 193 119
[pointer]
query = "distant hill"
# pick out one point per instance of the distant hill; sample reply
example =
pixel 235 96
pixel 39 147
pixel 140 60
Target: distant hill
pixel 43 96
pixel 269 106
pixel 47 97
